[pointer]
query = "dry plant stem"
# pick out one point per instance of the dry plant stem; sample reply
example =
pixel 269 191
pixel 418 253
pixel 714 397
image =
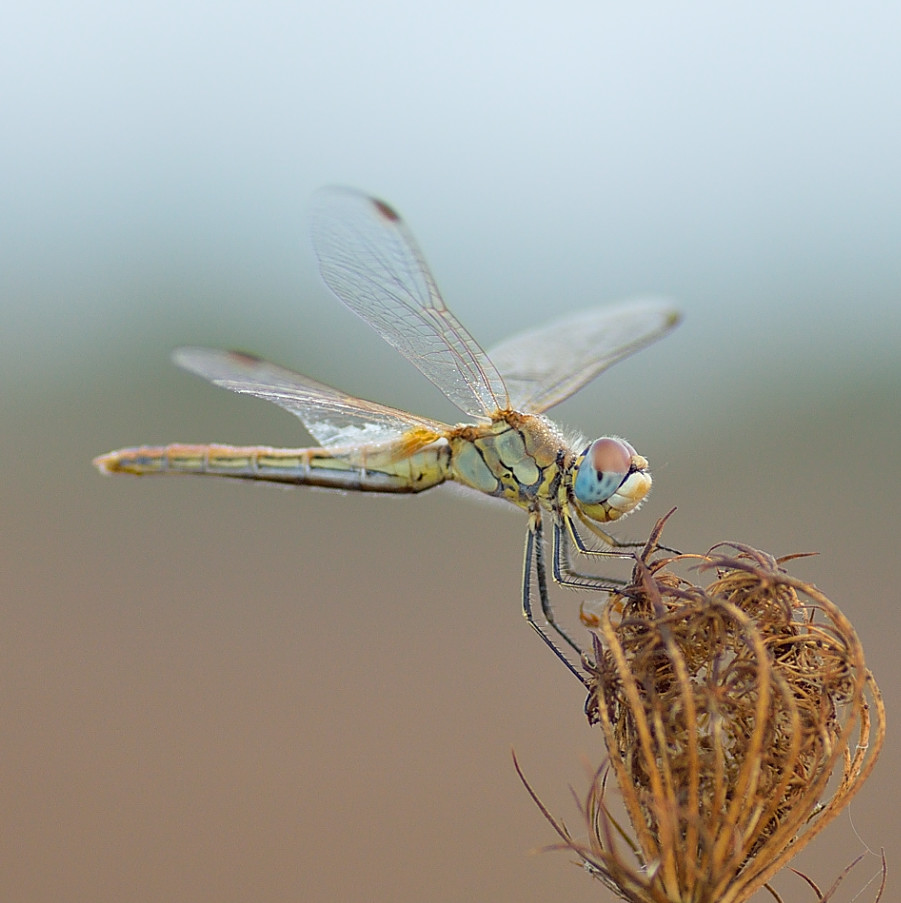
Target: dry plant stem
pixel 725 712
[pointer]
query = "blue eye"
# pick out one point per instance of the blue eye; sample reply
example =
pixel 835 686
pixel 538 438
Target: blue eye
pixel 604 466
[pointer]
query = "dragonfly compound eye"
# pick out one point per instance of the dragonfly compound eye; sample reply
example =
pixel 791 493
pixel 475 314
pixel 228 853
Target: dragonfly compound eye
pixel 605 465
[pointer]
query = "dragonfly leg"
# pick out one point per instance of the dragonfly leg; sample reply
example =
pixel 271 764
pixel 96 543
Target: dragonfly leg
pixel 535 563
pixel 607 538
pixel 567 537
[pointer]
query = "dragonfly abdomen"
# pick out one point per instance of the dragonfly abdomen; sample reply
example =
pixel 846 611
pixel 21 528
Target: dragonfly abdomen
pixel 376 469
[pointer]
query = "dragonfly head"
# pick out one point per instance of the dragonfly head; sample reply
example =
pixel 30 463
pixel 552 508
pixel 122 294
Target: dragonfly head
pixel 611 479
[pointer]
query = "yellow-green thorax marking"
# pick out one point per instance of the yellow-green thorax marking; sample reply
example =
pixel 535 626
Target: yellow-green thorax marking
pixel 519 457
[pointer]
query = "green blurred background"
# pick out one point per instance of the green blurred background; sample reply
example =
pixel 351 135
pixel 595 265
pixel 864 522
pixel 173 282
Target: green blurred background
pixel 225 692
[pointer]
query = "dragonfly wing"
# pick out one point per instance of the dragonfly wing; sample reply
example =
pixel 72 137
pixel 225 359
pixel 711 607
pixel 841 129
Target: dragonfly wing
pixel 371 261
pixel 332 417
pixel 543 366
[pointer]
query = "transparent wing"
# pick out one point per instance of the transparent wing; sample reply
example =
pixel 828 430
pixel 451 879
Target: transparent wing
pixel 371 261
pixel 543 366
pixel 332 417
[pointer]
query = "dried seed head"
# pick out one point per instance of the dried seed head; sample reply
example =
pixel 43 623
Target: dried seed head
pixel 725 711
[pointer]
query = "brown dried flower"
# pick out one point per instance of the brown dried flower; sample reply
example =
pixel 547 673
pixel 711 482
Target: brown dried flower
pixel 725 711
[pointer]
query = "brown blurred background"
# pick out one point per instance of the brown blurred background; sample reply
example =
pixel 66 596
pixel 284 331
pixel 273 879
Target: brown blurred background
pixel 216 691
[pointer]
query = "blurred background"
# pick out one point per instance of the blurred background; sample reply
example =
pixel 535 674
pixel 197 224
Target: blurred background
pixel 226 692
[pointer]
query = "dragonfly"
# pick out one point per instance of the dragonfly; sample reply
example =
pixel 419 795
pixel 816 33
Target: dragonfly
pixel 370 260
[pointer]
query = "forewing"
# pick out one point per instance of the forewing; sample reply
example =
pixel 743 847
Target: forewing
pixel 371 261
pixel 543 366
pixel 332 417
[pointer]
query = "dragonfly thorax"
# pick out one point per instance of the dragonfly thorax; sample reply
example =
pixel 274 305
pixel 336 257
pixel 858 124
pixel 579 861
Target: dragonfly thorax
pixel 519 457
pixel 611 479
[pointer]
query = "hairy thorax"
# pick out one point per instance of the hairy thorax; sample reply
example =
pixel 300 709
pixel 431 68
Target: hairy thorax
pixel 519 457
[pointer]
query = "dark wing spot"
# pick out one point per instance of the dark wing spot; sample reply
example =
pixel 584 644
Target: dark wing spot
pixel 243 357
pixel 389 213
